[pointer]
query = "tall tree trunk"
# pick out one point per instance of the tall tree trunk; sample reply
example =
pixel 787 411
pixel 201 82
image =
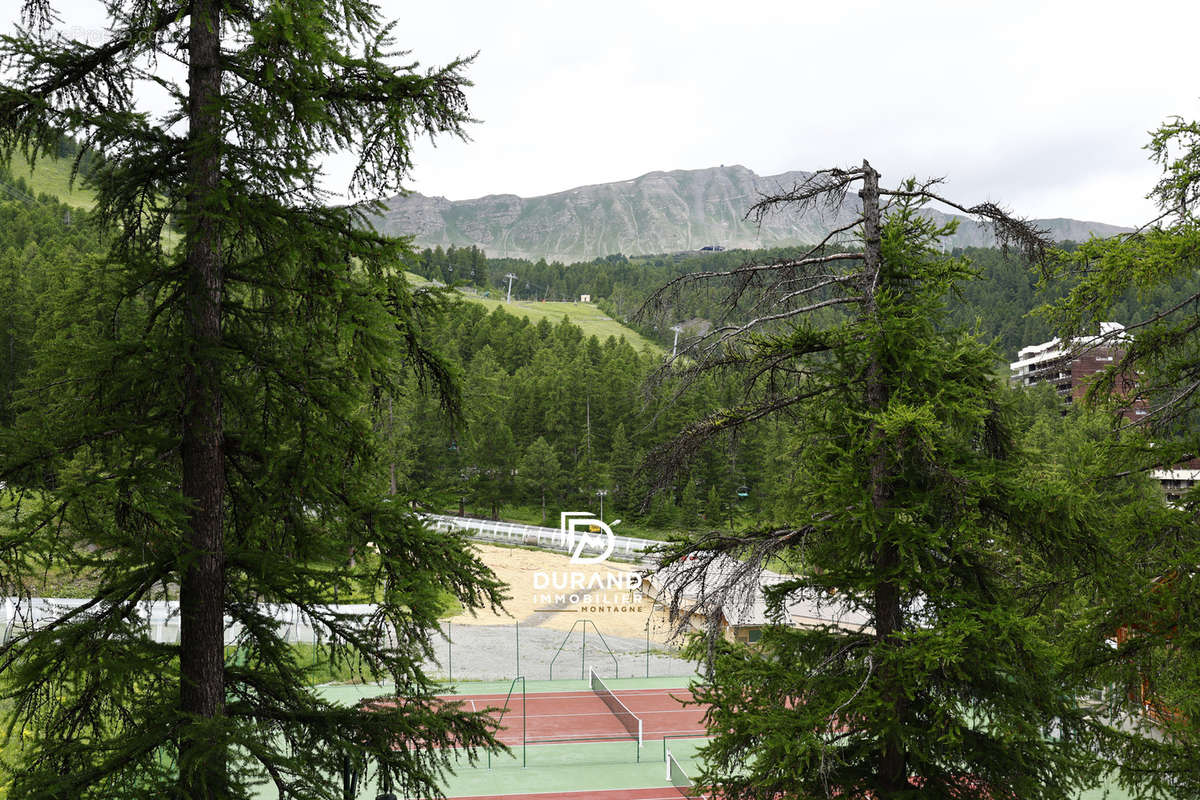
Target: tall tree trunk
pixel 202 589
pixel 892 771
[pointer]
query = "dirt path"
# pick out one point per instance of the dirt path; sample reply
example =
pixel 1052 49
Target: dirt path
pixel 547 590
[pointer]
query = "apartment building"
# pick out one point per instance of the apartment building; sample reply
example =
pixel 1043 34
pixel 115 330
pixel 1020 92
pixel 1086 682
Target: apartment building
pixel 1178 481
pixel 1070 368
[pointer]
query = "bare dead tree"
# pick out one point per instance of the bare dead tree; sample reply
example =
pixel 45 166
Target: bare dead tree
pixel 771 337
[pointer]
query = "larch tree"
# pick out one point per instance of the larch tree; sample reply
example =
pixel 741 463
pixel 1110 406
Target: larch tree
pixel 198 422
pixel 912 521
pixel 1153 393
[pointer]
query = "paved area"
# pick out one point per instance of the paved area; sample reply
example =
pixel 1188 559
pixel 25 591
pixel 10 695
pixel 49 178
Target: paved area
pixel 493 652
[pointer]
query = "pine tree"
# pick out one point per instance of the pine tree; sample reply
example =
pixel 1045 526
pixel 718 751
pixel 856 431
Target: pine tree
pixel 714 508
pixel 491 449
pixel 689 507
pixel 16 326
pixel 540 470
pixel 914 513
pixel 621 466
pixel 197 422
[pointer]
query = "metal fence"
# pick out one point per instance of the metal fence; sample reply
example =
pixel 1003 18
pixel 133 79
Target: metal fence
pixel 472 652
pixel 160 619
pixel 625 548
pixel 494 652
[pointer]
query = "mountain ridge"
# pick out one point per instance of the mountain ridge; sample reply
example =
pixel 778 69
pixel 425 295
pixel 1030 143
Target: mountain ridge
pixel 658 212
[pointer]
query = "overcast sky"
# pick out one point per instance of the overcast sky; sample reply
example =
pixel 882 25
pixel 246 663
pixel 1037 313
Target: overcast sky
pixel 1041 106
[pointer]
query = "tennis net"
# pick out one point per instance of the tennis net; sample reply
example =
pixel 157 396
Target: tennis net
pixel 630 721
pixel 678 778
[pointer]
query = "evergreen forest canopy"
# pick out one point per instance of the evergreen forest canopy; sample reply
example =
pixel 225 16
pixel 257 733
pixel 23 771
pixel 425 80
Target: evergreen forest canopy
pixel 999 299
pixel 537 399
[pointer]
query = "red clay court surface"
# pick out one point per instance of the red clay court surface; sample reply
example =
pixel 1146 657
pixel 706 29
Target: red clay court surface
pixel 583 716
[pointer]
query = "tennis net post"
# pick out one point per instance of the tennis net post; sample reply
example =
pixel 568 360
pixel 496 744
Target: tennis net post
pixel 678 777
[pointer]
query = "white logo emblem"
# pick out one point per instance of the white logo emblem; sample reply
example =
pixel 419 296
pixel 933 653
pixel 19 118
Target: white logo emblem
pixel 580 531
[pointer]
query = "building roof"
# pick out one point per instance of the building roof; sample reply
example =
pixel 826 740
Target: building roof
pixel 803 612
pixel 1048 351
pixel 1176 474
pixel 701 577
pixel 719 584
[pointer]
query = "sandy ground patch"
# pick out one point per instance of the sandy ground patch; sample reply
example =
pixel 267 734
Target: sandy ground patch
pixel 547 590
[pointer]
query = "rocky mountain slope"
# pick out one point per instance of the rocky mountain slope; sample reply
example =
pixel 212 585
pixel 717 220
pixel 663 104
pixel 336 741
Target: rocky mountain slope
pixel 660 212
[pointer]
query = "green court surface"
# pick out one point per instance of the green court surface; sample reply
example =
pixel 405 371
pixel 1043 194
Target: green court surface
pixel 555 768
pixel 570 767
pixel 1109 791
pixel 552 768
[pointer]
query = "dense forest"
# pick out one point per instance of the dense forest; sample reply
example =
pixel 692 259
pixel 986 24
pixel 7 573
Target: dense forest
pixel 554 416
pixel 42 241
pixel 551 417
pixel 998 302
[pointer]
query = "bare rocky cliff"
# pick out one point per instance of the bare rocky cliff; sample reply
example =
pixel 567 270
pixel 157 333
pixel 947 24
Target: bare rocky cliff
pixel 660 212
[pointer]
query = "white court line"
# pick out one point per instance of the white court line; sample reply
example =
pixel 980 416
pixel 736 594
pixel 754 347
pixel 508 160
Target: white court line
pixel 565 695
pixel 605 713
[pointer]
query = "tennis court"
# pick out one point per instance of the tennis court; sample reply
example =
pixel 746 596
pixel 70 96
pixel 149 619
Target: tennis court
pixel 592 739
pixel 577 747
pixel 598 713
pixel 602 740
